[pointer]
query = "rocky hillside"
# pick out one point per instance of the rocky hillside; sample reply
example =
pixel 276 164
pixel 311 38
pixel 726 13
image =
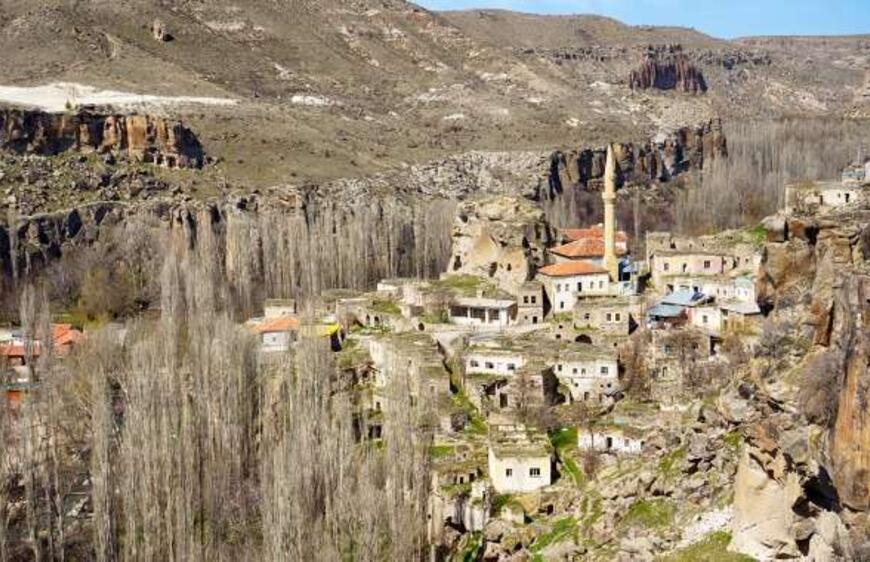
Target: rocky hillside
pixel 393 85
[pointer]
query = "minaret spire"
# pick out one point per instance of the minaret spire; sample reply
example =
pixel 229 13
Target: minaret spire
pixel 609 196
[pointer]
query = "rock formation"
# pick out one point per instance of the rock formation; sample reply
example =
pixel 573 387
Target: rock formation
pixel 502 238
pixel 142 138
pixel 159 32
pixel 676 74
pixel 802 489
pixel 659 159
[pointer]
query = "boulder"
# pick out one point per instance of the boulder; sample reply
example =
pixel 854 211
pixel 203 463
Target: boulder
pixel 159 31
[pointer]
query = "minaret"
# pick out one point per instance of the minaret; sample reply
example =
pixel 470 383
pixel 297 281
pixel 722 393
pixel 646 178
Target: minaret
pixel 609 197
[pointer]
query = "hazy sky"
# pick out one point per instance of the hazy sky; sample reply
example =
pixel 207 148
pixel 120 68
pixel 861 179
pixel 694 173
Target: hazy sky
pixel 721 18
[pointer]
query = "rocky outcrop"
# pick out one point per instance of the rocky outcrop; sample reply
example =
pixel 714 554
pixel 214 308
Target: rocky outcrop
pixel 803 486
pixel 659 159
pixel 159 31
pixel 141 138
pixel 501 238
pixel 676 74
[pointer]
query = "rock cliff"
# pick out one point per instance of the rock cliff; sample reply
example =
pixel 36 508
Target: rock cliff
pixel 803 484
pixel 142 138
pixel 658 159
pixel 676 74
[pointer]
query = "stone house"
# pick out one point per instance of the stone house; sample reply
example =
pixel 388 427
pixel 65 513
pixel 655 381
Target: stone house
pixel 275 308
pixel 564 283
pixel 738 316
pixel 612 315
pixel 673 309
pixel 589 375
pixel 481 360
pixel 670 263
pixel 530 303
pixel 413 361
pixel 611 439
pixel 707 318
pixel 812 197
pixel 721 287
pixel 530 387
pixel 483 311
pixel 520 459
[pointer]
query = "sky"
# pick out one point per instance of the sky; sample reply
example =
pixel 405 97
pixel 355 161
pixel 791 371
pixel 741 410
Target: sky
pixel 721 18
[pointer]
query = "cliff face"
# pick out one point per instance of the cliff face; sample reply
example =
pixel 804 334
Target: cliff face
pixel 676 74
pixel 659 159
pixel 803 485
pixel 142 138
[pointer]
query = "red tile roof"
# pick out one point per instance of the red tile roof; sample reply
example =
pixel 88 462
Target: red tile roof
pixel 64 334
pixel 571 268
pixel 280 324
pixel 585 248
pixel 597 231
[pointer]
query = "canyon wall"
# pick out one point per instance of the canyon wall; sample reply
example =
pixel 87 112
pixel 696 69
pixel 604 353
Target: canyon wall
pixel 658 159
pixel 675 74
pixel 803 484
pixel 142 138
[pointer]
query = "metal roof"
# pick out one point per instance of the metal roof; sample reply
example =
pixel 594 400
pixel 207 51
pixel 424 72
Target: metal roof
pixel 665 311
pixel 684 298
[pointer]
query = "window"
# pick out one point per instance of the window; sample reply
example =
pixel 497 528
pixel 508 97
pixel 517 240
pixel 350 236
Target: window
pixel 601 284
pixel 605 370
pixel 526 299
pixel 558 287
pixel 707 264
pixel 534 300
pixel 609 317
pixel 575 370
pixel 489 365
pixel 685 267
pixel 667 266
pixel 559 367
pixel 474 363
pixel 579 287
pixel 704 318
pixel 535 472
pixel 511 367
pixel 508 472
pixel 618 317
pixel 583 371
pixel 562 305
pixel 587 317
pixel 534 319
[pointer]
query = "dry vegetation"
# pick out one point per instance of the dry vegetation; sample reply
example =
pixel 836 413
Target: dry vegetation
pixel 177 442
pixel 763 158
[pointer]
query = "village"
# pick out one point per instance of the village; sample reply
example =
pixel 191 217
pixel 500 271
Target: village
pixel 539 361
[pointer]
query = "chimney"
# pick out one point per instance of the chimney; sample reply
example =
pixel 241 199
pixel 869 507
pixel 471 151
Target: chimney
pixel 609 197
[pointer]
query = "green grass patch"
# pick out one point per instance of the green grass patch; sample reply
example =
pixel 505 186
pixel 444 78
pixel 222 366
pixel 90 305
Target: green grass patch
pixel 386 307
pixel 441 451
pixel 563 438
pixel 476 425
pixel 669 465
pixel 712 548
pixel 464 284
pixel 733 439
pixel 651 514
pixel 573 471
pixel 435 318
pixel 757 234
pixel 563 529
pixel 470 550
